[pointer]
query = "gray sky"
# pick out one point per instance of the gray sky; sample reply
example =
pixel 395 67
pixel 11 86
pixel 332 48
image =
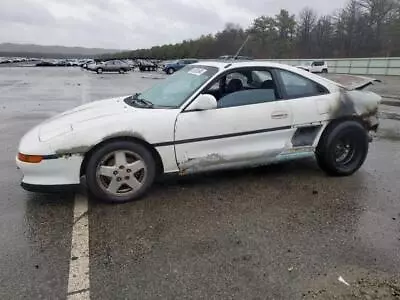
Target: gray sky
pixel 131 24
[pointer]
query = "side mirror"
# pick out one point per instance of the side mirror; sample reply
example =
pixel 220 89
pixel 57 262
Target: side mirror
pixel 203 102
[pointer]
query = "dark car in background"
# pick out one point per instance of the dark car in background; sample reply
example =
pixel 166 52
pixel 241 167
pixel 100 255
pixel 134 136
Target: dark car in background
pixel 110 66
pixel 146 65
pixel 171 67
pixel 47 63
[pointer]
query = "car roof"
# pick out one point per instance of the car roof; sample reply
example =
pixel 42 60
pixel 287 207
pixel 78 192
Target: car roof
pixel 223 65
pixel 226 65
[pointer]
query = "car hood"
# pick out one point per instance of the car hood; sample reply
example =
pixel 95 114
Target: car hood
pixel 69 120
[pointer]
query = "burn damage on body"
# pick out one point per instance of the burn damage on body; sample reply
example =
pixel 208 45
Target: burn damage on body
pixel 351 104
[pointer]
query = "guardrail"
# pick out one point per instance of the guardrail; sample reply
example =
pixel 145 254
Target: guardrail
pixel 357 66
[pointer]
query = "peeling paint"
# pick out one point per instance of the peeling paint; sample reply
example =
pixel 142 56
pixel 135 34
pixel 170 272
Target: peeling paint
pixel 123 134
pixel 357 103
pixel 215 161
pixel 74 150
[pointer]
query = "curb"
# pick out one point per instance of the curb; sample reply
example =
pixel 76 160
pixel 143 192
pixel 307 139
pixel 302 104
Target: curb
pixel 392 102
pixel 391 97
pixel 389 115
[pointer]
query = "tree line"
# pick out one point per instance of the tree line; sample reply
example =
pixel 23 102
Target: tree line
pixel 363 28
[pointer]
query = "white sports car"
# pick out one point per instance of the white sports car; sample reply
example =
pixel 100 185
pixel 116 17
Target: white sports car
pixel 208 116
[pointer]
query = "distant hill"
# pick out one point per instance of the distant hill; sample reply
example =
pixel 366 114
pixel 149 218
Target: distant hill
pixel 9 49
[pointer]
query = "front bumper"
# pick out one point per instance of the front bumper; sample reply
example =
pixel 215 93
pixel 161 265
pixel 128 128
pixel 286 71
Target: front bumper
pixel 58 171
pixel 50 188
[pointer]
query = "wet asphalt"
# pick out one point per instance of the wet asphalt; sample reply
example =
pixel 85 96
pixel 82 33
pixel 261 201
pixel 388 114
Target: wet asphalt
pixel 285 231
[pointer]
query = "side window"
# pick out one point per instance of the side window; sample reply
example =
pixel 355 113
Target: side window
pixel 245 87
pixel 297 86
pixel 238 76
pixel 318 63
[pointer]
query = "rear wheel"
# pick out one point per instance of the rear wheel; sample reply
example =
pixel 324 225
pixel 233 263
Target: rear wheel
pixel 170 71
pixel 343 148
pixel 121 71
pixel 325 71
pixel 99 70
pixel 120 172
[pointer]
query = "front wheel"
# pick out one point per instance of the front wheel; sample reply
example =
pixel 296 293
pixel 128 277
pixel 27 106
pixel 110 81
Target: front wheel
pixel 120 172
pixel 343 148
pixel 170 71
pixel 99 71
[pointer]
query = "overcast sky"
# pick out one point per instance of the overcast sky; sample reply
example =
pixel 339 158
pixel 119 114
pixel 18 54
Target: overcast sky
pixel 131 24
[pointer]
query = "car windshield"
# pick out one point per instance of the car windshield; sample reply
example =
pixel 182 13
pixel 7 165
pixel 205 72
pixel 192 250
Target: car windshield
pixel 176 89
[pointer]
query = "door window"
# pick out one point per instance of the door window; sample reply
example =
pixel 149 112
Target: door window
pixel 244 87
pixel 297 86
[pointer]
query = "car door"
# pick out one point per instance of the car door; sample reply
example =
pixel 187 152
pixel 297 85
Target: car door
pixel 250 127
pixel 180 64
pixel 302 95
pixel 115 65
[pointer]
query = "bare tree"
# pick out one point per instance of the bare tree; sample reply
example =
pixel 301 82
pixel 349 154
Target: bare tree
pixel 306 24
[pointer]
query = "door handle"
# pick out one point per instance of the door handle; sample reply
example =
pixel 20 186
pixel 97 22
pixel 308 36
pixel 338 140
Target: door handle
pixel 279 115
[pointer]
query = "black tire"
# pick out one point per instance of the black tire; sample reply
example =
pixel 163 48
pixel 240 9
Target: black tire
pixel 343 148
pixel 121 71
pixel 99 70
pixel 325 71
pixel 170 71
pixel 95 161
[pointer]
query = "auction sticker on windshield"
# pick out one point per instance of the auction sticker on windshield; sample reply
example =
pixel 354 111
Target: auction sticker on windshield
pixel 197 71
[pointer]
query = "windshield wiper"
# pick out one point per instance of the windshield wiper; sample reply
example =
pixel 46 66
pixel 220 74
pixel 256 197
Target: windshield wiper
pixel 142 102
pixel 145 102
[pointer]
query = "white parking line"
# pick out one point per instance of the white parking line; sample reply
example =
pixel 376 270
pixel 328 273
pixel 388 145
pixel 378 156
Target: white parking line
pixel 78 281
pixel 84 89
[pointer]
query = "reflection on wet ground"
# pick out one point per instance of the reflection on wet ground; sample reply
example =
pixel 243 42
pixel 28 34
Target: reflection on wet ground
pixel 285 231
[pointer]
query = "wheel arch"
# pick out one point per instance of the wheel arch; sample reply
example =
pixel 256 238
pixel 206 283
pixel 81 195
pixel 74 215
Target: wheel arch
pixel 333 123
pixel 152 150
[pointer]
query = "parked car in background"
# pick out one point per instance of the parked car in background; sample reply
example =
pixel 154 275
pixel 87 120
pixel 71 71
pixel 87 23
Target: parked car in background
pixel 146 65
pixel 318 66
pixel 110 66
pixel 175 65
pixel 46 63
pixel 61 63
pixel 231 57
pixel 85 63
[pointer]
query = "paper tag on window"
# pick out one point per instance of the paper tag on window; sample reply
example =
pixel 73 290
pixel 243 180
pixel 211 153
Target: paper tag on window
pixel 197 71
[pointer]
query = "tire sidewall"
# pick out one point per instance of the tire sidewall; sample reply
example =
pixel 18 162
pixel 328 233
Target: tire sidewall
pixel 325 151
pixel 97 156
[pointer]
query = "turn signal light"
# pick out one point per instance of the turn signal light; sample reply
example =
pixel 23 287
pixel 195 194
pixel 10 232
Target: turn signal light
pixel 33 159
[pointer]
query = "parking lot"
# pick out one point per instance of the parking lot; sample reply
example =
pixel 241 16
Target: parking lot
pixel 278 232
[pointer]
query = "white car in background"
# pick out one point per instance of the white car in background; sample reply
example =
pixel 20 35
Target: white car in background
pixel 209 116
pixel 318 66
